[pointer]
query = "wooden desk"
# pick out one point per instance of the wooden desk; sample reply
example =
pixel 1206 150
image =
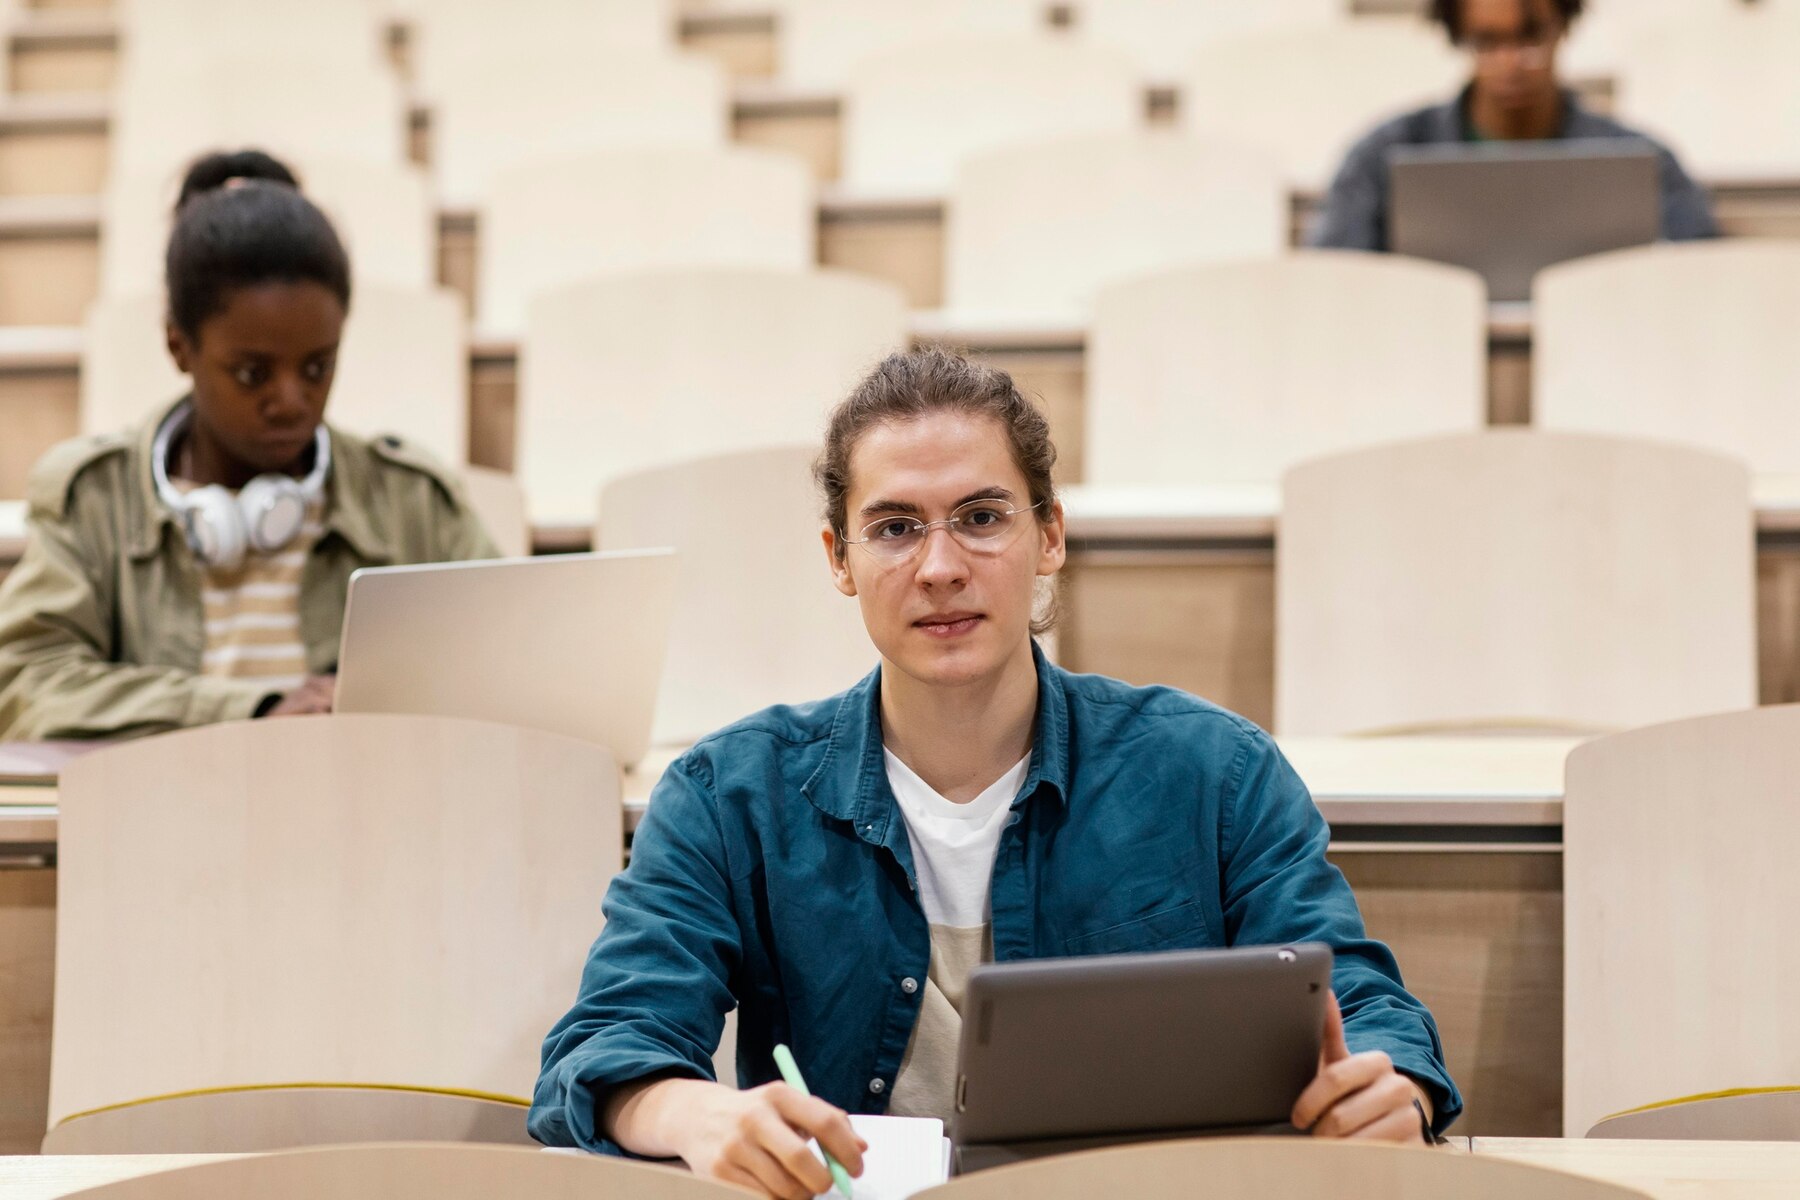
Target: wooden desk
pixel 1666 1170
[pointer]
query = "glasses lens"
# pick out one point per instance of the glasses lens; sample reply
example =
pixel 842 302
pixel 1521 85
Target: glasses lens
pixel 892 537
pixel 983 521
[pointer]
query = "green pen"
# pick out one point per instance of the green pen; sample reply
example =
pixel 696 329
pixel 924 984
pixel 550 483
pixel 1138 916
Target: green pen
pixel 790 1074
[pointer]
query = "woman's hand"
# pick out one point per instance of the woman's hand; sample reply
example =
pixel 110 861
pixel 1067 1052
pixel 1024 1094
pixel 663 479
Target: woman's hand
pixel 1358 1095
pixel 755 1139
pixel 312 697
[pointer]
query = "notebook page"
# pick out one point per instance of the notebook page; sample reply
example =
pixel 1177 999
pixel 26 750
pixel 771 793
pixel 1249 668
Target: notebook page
pixel 905 1155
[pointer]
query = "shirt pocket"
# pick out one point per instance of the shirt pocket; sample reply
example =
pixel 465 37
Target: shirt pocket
pixel 1179 927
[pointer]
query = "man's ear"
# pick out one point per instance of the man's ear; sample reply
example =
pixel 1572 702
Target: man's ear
pixel 1055 541
pixel 836 556
pixel 179 350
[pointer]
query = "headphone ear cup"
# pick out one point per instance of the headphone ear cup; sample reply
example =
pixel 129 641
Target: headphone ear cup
pixel 215 528
pixel 273 507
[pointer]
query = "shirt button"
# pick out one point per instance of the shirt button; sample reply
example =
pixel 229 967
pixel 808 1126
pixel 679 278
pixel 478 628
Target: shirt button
pixel 878 1086
pixel 909 985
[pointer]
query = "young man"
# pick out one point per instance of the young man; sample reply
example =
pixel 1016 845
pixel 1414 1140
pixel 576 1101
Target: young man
pixel 834 870
pixel 1514 96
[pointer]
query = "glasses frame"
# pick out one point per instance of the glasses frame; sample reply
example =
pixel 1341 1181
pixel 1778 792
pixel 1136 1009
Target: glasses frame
pixel 924 528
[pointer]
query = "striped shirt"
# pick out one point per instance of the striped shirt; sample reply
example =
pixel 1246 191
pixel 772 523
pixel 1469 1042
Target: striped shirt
pixel 252 613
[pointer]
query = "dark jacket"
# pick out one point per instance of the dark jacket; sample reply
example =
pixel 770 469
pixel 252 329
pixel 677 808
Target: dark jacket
pixel 1356 208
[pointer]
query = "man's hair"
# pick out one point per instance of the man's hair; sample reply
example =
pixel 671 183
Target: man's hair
pixel 1448 13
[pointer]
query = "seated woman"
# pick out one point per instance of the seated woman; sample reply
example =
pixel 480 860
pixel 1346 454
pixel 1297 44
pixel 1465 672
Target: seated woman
pixel 1514 95
pixel 194 569
pixel 833 870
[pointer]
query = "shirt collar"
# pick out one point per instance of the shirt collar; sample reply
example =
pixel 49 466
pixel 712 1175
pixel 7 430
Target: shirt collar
pixel 851 785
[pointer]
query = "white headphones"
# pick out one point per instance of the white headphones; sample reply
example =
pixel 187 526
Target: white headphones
pixel 265 515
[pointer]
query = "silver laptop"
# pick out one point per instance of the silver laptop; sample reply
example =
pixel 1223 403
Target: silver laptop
pixel 1074 1053
pixel 1509 209
pixel 571 643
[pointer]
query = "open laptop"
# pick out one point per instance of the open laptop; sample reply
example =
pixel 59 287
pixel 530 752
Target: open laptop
pixel 1075 1053
pixel 1509 209
pixel 571 643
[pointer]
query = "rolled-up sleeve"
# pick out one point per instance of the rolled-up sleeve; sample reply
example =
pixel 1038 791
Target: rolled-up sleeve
pixel 1280 888
pixel 656 987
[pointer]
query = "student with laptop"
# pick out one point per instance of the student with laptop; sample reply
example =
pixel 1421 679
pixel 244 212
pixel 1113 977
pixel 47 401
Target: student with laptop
pixel 194 569
pixel 1513 95
pixel 835 870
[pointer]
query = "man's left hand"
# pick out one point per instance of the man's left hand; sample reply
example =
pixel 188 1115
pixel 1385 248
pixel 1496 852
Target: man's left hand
pixel 1358 1095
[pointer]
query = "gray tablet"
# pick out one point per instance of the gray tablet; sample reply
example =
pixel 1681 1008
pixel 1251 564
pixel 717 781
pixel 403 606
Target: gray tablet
pixel 1073 1053
pixel 1509 209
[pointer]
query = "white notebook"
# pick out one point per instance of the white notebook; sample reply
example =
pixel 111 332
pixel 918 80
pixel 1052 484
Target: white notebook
pixel 905 1155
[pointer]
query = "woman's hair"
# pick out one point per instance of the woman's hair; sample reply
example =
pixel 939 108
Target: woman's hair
pixel 241 222
pixel 1448 13
pixel 913 384
pixel 216 170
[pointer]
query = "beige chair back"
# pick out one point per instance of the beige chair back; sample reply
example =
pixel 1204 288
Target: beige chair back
pixel 746 527
pixel 612 378
pixel 324 108
pixel 169 37
pixel 500 503
pixel 1758 1115
pixel 553 223
pixel 497 113
pixel 820 44
pixel 1233 372
pixel 1258 1168
pixel 448 37
pixel 400 1172
pixel 403 367
pixel 1679 901
pixel 1164 35
pixel 347 900
pixel 1034 231
pixel 383 213
pixel 911 114
pixel 1721 89
pixel 1513 578
pixel 258 1119
pixel 1306 95
pixel 1689 342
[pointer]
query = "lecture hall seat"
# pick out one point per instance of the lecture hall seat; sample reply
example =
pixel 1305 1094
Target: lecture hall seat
pixel 611 378
pixel 1232 372
pixel 1679 897
pixel 260 917
pixel 1513 580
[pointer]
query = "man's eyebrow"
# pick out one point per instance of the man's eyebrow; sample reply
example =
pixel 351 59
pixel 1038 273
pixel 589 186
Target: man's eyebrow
pixel 906 506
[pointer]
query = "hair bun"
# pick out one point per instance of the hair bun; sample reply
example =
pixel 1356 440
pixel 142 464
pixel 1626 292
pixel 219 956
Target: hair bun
pixel 217 170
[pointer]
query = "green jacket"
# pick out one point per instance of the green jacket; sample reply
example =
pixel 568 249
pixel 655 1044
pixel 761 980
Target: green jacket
pixel 101 623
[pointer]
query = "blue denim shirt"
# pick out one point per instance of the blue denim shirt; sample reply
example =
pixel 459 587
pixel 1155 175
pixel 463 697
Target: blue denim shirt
pixel 773 872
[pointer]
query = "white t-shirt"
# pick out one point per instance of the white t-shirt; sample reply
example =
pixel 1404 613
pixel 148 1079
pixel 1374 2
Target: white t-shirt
pixel 953 847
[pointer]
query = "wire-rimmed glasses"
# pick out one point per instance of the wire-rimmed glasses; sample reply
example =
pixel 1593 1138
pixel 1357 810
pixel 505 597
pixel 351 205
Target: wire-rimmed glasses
pixel 983 526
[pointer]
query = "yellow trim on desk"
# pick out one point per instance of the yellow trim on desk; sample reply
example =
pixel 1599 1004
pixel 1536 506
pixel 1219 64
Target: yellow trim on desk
pixel 1727 1094
pixel 464 1093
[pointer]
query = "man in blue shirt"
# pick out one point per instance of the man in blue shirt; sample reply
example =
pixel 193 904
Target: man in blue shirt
pixel 1514 96
pixel 805 865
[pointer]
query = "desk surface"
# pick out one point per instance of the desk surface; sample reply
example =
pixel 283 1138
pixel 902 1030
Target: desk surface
pixel 1666 1170
pixel 1498 782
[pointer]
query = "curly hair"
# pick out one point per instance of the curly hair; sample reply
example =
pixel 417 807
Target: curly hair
pixel 1448 13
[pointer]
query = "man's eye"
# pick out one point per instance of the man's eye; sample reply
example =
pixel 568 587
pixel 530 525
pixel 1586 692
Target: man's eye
pixel 250 377
pixel 316 370
pixel 893 530
pixel 982 517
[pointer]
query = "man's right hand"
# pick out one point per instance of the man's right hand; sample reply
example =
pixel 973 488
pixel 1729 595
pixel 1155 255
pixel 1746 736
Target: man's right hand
pixel 755 1139
pixel 312 697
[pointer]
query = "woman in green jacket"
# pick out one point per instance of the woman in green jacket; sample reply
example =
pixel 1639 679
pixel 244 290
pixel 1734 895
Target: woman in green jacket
pixel 194 569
